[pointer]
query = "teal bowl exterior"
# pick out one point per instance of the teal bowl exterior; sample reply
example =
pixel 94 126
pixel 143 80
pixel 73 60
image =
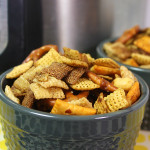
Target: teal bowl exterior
pixel 144 73
pixel 28 129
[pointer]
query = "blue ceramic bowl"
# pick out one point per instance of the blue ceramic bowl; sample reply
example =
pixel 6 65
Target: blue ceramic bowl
pixel 144 73
pixel 28 129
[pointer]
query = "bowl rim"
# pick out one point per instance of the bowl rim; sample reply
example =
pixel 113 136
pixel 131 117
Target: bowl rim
pixel 43 115
pixel 100 51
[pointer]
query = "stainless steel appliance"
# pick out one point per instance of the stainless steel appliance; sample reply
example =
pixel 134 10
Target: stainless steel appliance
pixel 28 24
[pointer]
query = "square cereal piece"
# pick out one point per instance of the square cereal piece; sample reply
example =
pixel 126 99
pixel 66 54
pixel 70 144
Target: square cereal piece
pixel 116 100
pixel 10 94
pixel 41 93
pixel 84 84
pixel 19 70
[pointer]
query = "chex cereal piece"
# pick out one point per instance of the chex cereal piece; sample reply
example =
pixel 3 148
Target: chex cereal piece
pixel 10 94
pixel 17 92
pixel 125 73
pixel 143 43
pixel 116 100
pixel 90 58
pixel 41 93
pixel 22 84
pixel 74 63
pixel 124 83
pixel 84 84
pixel 57 70
pixel 133 93
pixel 104 70
pixel 71 53
pixel 141 59
pixel 106 62
pixel 49 58
pixel 100 105
pixel 75 74
pixel 19 70
pixel 145 66
pixel 52 82
pixel 29 99
pixel 64 108
pixel 131 62
pixel 82 102
pixel 30 74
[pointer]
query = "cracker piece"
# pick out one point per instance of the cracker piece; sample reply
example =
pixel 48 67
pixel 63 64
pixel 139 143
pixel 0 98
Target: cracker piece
pixel 19 70
pixel 41 93
pixel 131 62
pixel 57 70
pixel 29 99
pixel 74 75
pixel 104 70
pixel 84 84
pixel 134 93
pixel 106 62
pixel 116 100
pixel 143 43
pixel 10 94
pixel 82 102
pixel 100 105
pixel 22 84
pixel 145 66
pixel 125 73
pixel 124 83
pixel 141 59
pixel 64 108
pixel 49 58
pixel 51 82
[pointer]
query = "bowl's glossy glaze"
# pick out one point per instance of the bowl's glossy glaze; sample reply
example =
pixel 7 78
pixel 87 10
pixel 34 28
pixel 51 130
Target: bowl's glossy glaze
pixel 27 129
pixel 144 73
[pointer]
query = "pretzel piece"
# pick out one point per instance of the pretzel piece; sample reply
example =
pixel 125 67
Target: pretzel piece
pixel 104 84
pixel 63 108
pixel 38 53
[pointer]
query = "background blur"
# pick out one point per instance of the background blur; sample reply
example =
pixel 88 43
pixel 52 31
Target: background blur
pixel 28 24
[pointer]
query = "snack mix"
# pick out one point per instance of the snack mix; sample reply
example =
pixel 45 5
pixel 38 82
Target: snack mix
pixel 131 48
pixel 71 83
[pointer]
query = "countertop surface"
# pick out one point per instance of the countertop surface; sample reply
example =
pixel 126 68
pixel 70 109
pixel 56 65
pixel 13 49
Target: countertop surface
pixel 142 142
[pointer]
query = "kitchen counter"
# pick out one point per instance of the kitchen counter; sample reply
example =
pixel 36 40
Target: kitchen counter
pixel 142 142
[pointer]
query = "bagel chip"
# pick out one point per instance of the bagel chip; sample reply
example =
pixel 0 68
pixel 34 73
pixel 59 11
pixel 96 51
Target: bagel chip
pixel 141 59
pixel 19 70
pixel 131 62
pixel 64 108
pixel 106 62
pixel 84 84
